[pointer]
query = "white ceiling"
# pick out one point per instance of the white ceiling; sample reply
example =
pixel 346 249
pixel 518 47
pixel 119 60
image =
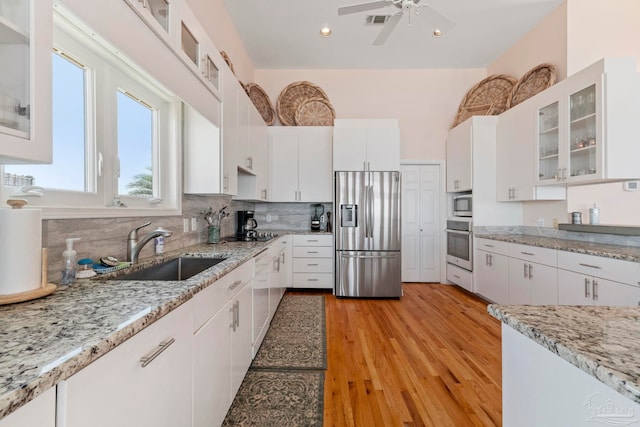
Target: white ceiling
pixel 282 34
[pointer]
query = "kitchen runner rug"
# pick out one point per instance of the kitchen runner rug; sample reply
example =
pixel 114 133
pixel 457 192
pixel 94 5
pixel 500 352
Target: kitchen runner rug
pixel 296 338
pixel 278 398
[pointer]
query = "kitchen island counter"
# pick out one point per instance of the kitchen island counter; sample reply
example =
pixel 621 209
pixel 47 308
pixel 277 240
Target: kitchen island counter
pixel 47 340
pixel 603 342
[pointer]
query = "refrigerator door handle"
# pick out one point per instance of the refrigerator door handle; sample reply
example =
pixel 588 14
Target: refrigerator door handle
pixel 368 256
pixel 370 211
pixel 365 209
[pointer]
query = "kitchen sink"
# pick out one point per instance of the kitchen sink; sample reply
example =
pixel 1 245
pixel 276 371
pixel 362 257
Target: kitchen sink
pixel 180 268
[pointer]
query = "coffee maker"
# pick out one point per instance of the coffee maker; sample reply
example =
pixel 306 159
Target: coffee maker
pixel 246 225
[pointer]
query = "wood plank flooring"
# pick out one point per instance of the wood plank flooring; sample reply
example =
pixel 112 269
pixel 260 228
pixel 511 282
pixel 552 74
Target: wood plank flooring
pixel 431 358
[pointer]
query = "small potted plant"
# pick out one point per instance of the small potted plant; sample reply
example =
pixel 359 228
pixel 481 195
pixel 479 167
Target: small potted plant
pixel 214 221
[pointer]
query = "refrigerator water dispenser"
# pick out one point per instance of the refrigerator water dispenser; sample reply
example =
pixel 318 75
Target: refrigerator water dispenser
pixel 348 215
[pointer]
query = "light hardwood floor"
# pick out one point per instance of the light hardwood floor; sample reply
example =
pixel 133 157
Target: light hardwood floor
pixel 431 358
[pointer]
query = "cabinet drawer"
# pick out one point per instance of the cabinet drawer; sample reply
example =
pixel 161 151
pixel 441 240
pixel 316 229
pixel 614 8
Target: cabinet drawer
pixel 495 246
pixel 534 254
pixel 312 240
pixel 211 299
pixel 313 280
pixel 460 277
pixel 312 265
pixel 313 252
pixel 606 268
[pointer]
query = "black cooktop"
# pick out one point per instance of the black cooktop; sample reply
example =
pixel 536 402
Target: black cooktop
pixel 259 237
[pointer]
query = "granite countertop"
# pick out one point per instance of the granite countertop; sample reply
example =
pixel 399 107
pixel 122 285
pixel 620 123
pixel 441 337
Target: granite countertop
pixel 47 340
pixel 602 341
pixel 626 253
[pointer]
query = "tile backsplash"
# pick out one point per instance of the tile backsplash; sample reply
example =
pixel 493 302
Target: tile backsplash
pixel 288 216
pixel 101 237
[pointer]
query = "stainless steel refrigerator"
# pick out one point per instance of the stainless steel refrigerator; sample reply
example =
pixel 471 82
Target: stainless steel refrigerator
pixel 367 234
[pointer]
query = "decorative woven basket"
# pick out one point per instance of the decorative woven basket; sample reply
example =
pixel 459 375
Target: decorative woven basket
pixel 262 102
pixel 228 61
pixel 315 112
pixel 533 82
pixel 292 96
pixel 488 97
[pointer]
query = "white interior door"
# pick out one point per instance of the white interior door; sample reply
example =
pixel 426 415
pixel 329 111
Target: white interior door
pixel 420 223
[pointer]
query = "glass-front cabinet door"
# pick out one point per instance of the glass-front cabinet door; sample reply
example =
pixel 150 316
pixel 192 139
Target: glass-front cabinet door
pixel 25 81
pixel 160 16
pixel 583 135
pixel 548 143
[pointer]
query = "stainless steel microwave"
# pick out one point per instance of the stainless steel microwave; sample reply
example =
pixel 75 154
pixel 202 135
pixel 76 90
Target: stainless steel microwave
pixel 463 205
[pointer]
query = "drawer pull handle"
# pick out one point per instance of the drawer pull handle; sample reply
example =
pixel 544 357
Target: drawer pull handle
pixel 312 252
pixel 312 265
pixel 590 266
pixel 312 241
pixel 456 276
pixel 527 253
pixel 235 284
pixel 312 280
pixel 488 246
pixel 144 361
pixel 595 290
pixel 587 284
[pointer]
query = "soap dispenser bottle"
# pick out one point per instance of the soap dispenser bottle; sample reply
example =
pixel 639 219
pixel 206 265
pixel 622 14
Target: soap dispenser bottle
pixel 69 262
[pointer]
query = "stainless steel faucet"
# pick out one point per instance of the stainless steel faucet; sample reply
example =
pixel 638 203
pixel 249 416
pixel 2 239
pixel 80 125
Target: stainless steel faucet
pixel 134 247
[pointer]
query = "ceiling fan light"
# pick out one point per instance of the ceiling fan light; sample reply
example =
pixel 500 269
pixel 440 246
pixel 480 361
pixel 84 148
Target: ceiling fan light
pixel 437 33
pixel 325 31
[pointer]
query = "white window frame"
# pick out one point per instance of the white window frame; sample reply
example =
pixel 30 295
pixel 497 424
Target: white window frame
pixel 108 72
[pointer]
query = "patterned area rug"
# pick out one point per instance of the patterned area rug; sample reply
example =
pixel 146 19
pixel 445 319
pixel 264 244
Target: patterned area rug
pixel 274 398
pixel 285 384
pixel 296 338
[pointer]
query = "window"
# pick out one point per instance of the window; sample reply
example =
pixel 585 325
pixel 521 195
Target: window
pixel 113 144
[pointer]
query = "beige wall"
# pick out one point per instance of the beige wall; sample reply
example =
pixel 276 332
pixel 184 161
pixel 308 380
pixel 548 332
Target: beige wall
pixel 599 28
pixel 546 43
pixel 424 101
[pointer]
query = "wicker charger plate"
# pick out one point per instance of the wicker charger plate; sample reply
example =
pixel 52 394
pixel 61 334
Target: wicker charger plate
pixel 489 96
pixel 315 112
pixel 228 61
pixel 292 96
pixel 262 102
pixel 533 82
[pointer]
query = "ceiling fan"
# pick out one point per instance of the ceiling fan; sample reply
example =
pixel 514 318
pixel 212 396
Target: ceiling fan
pixel 440 23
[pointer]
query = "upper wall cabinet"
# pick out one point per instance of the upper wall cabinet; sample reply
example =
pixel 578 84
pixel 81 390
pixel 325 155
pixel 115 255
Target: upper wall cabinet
pixel 25 86
pixel 459 146
pixel 366 145
pixel 584 125
pixel 162 16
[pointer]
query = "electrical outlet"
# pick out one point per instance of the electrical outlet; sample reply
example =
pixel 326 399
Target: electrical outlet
pixel 268 218
pixel 540 222
pixel 185 225
pixel 194 224
pixel 555 223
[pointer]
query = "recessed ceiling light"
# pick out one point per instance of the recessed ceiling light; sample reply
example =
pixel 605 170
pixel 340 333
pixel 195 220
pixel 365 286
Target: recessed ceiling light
pixel 437 33
pixel 325 31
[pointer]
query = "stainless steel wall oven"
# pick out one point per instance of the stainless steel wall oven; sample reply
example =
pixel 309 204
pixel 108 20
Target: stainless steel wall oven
pixel 460 243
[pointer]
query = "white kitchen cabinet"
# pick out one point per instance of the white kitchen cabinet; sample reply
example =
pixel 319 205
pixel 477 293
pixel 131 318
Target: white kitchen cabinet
pixel 583 124
pixel 313 257
pixel 147 380
pixel 491 271
pixel 162 17
pixel 300 163
pixel 222 334
pixel 460 276
pixel 532 275
pixel 590 280
pixel 275 279
pixel 201 152
pixel 261 288
pixel 515 170
pixel 40 412
pixel 253 155
pixel 459 146
pixel 230 133
pixel 25 87
pixel 369 145
pixel 564 395
pixel 286 265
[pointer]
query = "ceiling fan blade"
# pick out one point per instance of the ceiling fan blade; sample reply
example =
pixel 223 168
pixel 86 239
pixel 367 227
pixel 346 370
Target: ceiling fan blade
pixel 438 20
pixel 363 6
pixel 389 26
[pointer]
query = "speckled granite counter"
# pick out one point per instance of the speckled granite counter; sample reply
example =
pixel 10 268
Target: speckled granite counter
pixel 627 253
pixel 602 341
pixel 45 341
